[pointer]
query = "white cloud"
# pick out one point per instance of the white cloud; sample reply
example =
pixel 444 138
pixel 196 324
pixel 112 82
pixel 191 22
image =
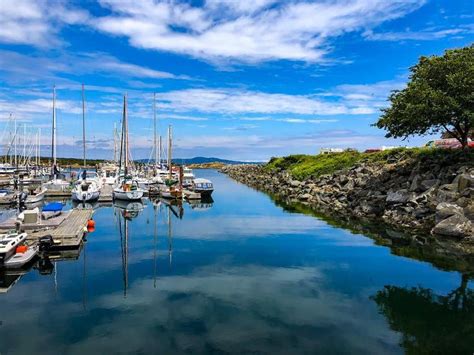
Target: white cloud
pixel 249 31
pixel 231 101
pixel 36 22
pixel 19 67
pixel 425 35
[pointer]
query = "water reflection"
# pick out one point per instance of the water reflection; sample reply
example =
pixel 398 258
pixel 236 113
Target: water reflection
pixel 430 323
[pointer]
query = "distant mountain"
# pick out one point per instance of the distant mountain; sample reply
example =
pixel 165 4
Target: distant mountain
pixel 202 160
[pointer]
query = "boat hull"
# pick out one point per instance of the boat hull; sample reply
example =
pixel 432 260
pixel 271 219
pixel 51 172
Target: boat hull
pixel 31 199
pixel 85 196
pixel 204 192
pixel 128 195
pixel 20 259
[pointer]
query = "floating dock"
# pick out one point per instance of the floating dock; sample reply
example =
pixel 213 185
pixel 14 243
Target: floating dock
pixel 69 233
pixel 106 194
pixel 50 223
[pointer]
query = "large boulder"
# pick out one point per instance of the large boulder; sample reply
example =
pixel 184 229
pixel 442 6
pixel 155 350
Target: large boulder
pixel 455 226
pixel 445 210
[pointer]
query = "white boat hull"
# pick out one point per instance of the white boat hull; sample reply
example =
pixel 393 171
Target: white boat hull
pixel 31 199
pixel 20 259
pixel 85 196
pixel 128 195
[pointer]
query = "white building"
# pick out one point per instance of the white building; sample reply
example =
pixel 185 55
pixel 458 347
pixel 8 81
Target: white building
pixel 330 150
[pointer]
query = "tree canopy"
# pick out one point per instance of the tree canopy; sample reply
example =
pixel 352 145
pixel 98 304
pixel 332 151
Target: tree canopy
pixel 439 97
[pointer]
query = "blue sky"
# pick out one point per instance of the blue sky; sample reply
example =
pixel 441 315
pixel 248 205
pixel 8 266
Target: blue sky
pixel 237 79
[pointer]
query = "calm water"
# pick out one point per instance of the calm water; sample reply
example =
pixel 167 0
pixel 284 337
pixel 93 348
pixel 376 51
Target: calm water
pixel 240 276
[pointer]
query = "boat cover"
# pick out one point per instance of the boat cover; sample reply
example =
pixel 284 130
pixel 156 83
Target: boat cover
pixel 53 207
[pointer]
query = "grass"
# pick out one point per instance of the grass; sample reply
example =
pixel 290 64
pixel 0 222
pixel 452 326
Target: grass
pixel 304 166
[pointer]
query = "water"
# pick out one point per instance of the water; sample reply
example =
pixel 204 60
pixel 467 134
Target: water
pixel 240 276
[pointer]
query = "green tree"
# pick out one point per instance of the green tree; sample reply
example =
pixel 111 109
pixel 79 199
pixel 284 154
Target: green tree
pixel 439 97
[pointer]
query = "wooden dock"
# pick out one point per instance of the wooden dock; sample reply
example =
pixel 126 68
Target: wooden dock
pixel 106 193
pixel 59 193
pixel 50 223
pixel 70 232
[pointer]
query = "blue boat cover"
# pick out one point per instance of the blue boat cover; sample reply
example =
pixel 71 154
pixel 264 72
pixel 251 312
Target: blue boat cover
pixel 53 207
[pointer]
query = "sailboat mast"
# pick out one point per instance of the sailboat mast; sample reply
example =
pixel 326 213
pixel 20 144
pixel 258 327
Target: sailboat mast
pixel 115 141
pixel 83 127
pixel 39 147
pixel 53 131
pixel 24 143
pixel 160 146
pixel 15 141
pixel 125 126
pixel 169 150
pixel 154 129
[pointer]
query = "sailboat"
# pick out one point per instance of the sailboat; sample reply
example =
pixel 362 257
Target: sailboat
pixel 172 188
pixel 57 180
pixel 127 187
pixel 87 188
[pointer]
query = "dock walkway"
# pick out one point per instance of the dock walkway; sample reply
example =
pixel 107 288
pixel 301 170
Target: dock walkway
pixel 106 193
pixel 70 232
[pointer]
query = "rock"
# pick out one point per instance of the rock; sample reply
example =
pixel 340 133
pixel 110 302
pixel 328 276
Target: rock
pixel 427 184
pixel 465 181
pixel 400 196
pixel 445 210
pixel 447 193
pixel 305 197
pixel 350 185
pixel 421 212
pixel 455 226
pixel 295 183
pixel 415 184
pixel 469 211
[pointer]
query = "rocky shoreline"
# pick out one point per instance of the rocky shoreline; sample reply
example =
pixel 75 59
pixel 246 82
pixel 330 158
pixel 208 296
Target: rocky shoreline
pixel 427 197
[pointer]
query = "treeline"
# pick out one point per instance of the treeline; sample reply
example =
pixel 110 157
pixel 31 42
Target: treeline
pixel 63 162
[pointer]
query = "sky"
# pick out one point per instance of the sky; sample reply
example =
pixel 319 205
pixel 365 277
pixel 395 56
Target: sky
pixel 243 80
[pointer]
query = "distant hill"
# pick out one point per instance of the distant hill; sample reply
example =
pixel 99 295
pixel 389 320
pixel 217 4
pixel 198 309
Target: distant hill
pixel 202 160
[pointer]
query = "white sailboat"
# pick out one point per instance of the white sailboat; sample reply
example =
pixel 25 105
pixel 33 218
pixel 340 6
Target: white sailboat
pixel 172 189
pixel 88 187
pixel 57 181
pixel 127 187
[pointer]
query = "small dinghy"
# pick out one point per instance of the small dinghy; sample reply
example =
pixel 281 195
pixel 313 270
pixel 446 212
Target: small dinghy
pixel 8 244
pixel 23 256
pixel 52 209
pixel 36 196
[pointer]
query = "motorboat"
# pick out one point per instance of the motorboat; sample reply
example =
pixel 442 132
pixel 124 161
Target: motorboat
pixel 86 189
pixel 188 177
pixel 202 186
pixel 171 192
pixel 109 175
pixel 8 197
pixel 23 256
pixel 128 190
pixel 8 243
pixel 57 182
pixel 36 196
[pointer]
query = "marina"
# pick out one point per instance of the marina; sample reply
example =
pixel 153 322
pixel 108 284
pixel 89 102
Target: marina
pixel 230 263
pixel 237 177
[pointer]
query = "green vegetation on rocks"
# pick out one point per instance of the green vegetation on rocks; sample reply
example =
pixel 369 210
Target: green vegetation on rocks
pixel 303 166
